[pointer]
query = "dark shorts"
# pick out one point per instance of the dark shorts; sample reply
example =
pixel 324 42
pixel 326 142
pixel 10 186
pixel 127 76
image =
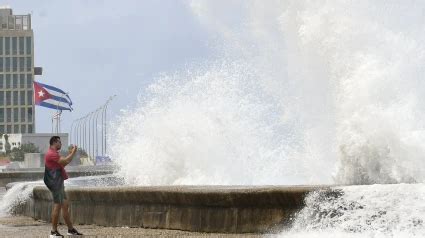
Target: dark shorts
pixel 59 195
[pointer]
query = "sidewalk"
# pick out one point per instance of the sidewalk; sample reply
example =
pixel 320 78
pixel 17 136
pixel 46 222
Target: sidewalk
pixel 20 226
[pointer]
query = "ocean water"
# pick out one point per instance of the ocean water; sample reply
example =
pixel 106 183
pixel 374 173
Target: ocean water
pixel 391 210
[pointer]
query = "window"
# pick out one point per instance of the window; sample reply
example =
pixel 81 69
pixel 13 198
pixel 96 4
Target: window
pixel 25 23
pixel 1 64
pixel 2 132
pixel 7 45
pixel 21 64
pixel 7 81
pixel 1 80
pixel 15 98
pixel 2 115
pixel 29 80
pixel 1 45
pixel 14 45
pixel 9 129
pixel 1 98
pixel 9 114
pixel 29 64
pixel 22 114
pixel 15 115
pixel 8 98
pixel 7 64
pixel 18 22
pixel 11 23
pixel 29 45
pixel 15 130
pixel 21 45
pixel 29 97
pixel 23 129
pixel 29 118
pixel 15 81
pixel 22 81
pixel 15 64
pixel 30 129
pixel 22 97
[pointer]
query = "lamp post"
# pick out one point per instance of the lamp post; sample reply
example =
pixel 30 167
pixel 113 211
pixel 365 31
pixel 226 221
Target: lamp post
pixel 89 133
pixel 85 132
pixel 104 116
pixel 71 133
pixel 79 139
pixel 99 110
pixel 94 123
pixel 76 134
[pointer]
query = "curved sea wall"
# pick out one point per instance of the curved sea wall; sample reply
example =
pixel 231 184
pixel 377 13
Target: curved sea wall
pixel 230 209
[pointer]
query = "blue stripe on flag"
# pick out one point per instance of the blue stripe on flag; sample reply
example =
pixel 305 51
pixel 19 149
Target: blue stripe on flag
pixel 70 101
pixel 52 106
pixel 51 88
pixel 60 99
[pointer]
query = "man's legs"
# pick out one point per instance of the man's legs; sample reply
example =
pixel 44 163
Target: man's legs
pixel 55 216
pixel 65 214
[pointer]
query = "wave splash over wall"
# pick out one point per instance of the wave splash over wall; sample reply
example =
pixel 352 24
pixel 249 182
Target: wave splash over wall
pixel 299 92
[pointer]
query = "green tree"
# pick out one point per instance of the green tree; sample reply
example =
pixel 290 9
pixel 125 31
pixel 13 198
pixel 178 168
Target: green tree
pixel 80 152
pixel 18 154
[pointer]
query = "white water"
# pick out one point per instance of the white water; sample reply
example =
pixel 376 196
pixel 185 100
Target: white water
pixel 364 211
pixel 15 196
pixel 299 92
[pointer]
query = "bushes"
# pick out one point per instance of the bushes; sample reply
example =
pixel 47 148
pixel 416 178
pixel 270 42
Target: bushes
pixel 18 154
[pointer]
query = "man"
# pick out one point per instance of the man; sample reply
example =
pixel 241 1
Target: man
pixel 54 176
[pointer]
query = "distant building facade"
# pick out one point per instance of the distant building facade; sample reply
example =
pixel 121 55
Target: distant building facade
pixel 16 73
pixel 40 140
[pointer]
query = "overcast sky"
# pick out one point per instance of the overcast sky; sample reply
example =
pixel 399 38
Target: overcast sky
pixel 95 49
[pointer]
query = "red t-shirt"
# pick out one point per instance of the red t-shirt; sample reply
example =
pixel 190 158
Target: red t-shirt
pixel 51 160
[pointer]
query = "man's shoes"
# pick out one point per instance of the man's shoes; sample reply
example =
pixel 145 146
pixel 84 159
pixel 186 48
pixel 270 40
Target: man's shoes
pixel 55 234
pixel 74 232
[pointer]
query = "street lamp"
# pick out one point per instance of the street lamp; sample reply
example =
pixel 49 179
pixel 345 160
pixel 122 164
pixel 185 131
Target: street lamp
pixel 104 116
pixel 70 132
pixel 99 110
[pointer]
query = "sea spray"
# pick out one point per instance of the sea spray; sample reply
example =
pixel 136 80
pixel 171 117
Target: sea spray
pixel 299 92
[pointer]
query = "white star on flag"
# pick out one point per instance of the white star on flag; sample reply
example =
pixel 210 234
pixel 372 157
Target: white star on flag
pixel 41 93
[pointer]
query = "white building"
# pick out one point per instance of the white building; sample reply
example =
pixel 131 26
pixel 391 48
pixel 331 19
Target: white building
pixel 40 140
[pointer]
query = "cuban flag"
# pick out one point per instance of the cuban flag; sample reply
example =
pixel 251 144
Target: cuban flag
pixel 51 97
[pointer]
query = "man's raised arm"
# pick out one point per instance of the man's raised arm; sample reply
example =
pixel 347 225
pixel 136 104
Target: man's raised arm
pixel 66 160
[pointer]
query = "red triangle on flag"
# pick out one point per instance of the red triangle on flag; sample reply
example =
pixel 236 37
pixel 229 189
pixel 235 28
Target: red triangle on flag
pixel 40 93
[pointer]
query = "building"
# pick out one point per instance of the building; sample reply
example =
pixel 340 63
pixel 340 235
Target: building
pixel 40 140
pixel 16 73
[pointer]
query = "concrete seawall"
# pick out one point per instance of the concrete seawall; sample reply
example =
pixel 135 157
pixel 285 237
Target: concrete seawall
pixel 230 209
pixel 18 176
